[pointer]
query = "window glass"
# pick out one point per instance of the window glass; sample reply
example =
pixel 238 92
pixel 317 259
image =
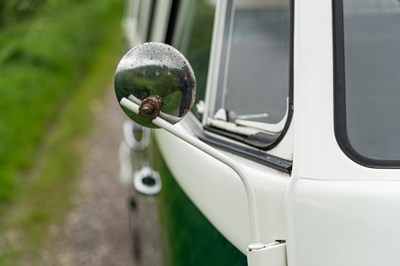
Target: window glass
pixel 370 90
pixel 137 21
pixel 254 79
pixel 192 37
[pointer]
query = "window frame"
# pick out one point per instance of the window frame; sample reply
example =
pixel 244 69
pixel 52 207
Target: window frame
pixel 216 68
pixel 339 77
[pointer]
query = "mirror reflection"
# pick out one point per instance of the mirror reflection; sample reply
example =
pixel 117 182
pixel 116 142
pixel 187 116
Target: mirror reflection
pixel 156 70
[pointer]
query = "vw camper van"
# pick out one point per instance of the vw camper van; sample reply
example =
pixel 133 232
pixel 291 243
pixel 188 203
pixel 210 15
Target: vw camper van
pixel 291 150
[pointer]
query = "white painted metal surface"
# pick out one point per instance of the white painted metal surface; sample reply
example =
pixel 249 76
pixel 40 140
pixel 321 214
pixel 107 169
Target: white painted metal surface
pixel 343 223
pixel 316 152
pixel 255 243
pixel 272 255
pixel 218 193
pixel 160 21
pixel 337 211
pixel 331 211
pixel 140 184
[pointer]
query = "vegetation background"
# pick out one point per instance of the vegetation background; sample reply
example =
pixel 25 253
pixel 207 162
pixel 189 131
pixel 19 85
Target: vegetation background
pixel 57 58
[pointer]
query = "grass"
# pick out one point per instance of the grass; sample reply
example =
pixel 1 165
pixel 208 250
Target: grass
pixel 42 62
pixel 48 86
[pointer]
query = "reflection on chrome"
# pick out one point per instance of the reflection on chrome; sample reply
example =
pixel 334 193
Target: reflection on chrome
pixel 156 70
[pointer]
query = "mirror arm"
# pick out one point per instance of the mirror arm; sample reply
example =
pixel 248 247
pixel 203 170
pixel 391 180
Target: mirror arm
pixel 250 193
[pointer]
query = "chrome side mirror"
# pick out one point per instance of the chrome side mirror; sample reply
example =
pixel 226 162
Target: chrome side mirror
pixel 155 86
pixel 159 79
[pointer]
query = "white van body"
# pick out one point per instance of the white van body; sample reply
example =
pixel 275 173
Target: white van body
pixel 328 208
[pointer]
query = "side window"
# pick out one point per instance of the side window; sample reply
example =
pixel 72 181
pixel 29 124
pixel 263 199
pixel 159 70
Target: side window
pixel 250 95
pixel 192 37
pixel 367 94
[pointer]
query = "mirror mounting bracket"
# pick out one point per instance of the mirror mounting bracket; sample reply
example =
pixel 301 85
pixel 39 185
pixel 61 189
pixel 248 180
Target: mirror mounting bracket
pixel 250 193
pixel 161 80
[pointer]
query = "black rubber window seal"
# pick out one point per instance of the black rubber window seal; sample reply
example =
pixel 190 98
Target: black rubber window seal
pixel 339 77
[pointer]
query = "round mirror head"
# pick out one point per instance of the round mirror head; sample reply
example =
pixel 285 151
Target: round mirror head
pixel 159 79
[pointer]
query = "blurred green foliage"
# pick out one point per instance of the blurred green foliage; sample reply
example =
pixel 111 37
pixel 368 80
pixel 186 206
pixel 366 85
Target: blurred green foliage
pixel 45 49
pixel 55 66
pixel 12 11
pixel 15 11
